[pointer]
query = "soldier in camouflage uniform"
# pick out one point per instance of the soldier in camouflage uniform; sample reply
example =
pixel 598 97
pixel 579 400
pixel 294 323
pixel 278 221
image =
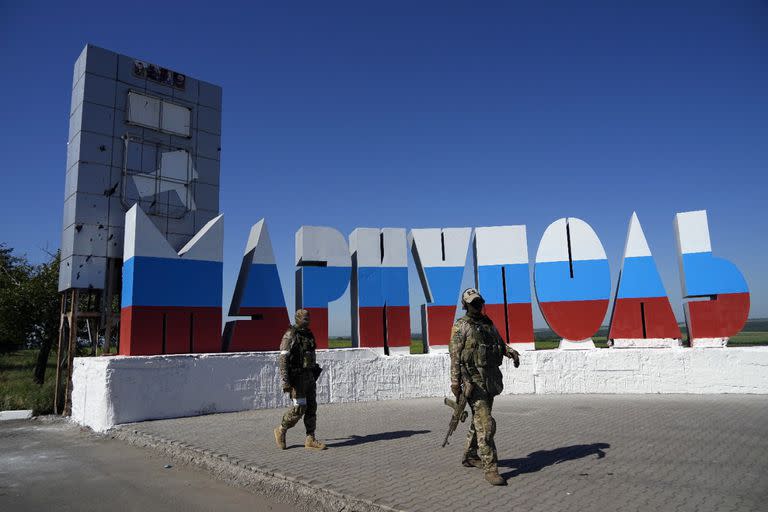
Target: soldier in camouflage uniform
pixel 477 350
pixel 299 371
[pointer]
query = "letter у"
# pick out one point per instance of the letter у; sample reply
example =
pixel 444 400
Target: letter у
pixel 440 256
pixel 379 292
pixel 641 308
pixel 572 278
pixel 502 275
pixel 704 276
pixel 171 302
pixel 322 276
pixel 258 294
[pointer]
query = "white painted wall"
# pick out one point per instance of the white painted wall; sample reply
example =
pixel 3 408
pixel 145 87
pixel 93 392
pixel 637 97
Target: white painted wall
pixel 111 390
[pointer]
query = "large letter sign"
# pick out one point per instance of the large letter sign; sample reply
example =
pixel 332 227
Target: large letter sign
pixel 573 281
pixel 322 276
pixel 502 277
pixel 440 256
pixel 379 290
pixel 259 295
pixel 642 315
pixel 171 302
pixel 703 276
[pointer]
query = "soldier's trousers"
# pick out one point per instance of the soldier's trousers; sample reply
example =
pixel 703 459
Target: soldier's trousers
pixel 480 436
pixel 304 404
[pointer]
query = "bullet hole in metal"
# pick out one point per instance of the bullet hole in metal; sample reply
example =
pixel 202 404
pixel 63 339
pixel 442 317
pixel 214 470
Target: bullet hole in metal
pixel 78 227
pixel 102 148
pixel 110 191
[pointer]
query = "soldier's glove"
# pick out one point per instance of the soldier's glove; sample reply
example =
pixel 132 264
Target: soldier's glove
pixel 515 355
pixel 286 387
pixel 456 390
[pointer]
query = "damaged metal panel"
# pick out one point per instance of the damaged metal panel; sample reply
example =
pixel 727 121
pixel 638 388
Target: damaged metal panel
pixel 135 138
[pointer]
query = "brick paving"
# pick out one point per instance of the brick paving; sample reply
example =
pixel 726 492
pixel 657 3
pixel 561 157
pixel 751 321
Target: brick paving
pixel 573 452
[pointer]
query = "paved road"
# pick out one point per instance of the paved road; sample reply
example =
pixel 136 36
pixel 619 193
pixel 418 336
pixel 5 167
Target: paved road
pixel 578 452
pixel 57 466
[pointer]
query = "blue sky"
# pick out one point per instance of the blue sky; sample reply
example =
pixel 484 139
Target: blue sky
pixel 419 114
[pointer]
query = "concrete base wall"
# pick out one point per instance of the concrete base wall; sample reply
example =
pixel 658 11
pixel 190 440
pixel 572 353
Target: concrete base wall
pixel 111 390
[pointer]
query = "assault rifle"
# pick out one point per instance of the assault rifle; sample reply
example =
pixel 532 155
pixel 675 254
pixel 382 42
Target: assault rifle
pixel 459 412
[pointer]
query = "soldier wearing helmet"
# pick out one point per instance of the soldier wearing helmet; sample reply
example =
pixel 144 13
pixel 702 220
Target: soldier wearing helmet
pixel 477 350
pixel 299 371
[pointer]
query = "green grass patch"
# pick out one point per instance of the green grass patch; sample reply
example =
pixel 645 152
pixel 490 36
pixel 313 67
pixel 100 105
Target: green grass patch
pixel 749 338
pixel 417 347
pixel 17 388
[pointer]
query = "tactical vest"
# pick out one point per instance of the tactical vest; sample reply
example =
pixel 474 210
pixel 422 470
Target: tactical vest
pixel 302 352
pixel 483 354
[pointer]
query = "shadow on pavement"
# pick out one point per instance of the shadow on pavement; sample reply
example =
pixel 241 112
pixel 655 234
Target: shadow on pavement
pixel 536 461
pixel 372 438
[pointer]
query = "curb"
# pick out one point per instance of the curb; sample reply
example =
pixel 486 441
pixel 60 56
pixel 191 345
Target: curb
pixel 305 495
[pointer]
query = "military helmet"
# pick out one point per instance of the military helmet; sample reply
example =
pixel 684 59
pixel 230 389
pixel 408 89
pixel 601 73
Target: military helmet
pixel 469 295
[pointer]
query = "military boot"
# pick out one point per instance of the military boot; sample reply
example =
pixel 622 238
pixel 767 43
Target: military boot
pixel 471 461
pixel 313 444
pixel 494 478
pixel 280 437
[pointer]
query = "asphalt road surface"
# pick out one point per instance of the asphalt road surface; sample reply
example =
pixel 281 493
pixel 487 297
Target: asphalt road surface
pixel 56 466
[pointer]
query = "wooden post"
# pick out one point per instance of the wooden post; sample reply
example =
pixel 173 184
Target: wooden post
pixel 109 316
pixel 62 323
pixel 71 349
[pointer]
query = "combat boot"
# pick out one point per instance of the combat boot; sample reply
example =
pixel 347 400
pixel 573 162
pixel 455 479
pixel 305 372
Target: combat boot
pixel 280 437
pixel 494 478
pixel 472 461
pixel 313 444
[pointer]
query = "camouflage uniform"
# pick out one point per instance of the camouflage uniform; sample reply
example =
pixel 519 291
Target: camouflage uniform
pixel 297 369
pixel 477 350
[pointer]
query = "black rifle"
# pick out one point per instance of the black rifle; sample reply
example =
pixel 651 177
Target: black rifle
pixel 459 412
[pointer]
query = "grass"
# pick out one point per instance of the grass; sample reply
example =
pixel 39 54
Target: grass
pixel 17 388
pixel 749 338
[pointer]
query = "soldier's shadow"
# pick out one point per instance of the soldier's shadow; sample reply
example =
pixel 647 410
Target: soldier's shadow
pixel 539 460
pixel 372 438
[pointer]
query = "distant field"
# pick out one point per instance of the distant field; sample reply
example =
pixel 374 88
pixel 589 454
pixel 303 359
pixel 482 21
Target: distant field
pixel 755 333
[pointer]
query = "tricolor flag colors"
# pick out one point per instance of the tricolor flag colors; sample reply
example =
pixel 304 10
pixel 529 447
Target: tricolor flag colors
pixel 642 314
pixel 323 269
pixel 502 277
pixel 573 280
pixel 171 302
pixel 716 293
pixel 381 315
pixel 259 295
pixel 440 256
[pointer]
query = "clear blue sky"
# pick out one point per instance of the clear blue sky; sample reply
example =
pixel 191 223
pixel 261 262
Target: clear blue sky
pixel 418 114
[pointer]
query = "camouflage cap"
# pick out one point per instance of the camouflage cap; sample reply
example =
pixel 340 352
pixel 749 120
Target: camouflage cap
pixel 469 295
